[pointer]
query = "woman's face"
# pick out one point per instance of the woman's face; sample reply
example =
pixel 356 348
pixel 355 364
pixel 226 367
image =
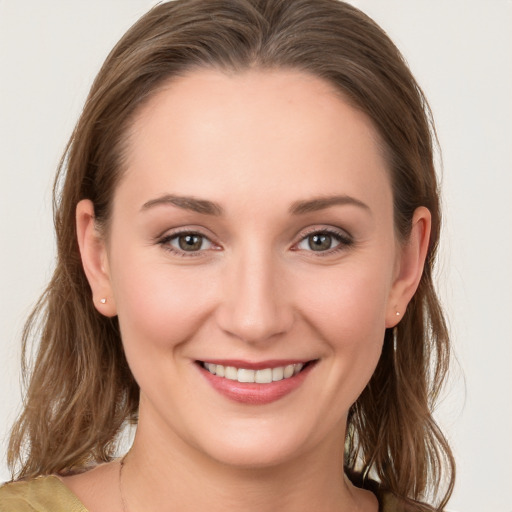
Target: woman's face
pixel 253 230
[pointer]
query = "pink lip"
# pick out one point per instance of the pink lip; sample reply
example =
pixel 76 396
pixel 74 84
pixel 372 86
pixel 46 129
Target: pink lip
pixel 253 393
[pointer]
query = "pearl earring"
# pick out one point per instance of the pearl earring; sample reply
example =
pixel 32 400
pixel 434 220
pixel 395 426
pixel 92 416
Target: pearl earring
pixel 103 301
pixel 398 313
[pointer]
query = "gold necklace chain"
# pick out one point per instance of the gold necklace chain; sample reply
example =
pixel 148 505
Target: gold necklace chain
pixel 123 501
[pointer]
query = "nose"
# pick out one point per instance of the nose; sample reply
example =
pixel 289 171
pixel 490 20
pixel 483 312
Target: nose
pixel 255 306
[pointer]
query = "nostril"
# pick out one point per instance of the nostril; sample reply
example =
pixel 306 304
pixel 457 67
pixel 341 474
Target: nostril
pixel 256 326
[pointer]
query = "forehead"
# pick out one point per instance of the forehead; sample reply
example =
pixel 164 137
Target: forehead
pixel 286 129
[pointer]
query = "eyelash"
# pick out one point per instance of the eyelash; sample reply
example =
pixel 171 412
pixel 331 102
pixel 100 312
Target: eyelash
pixel 165 243
pixel 344 242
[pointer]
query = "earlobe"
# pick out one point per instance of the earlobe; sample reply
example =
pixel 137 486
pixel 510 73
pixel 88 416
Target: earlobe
pixel 94 258
pixel 410 266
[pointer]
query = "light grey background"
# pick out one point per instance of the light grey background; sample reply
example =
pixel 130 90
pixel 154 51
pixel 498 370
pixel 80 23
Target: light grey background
pixel 461 53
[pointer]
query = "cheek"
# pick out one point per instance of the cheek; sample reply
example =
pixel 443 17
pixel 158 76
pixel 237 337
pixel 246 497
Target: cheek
pixel 160 306
pixel 349 305
pixel 348 313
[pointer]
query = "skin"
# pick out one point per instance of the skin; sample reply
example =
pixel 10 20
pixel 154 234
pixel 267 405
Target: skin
pixel 255 144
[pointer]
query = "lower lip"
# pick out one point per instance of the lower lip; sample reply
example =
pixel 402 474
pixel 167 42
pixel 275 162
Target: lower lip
pixel 253 393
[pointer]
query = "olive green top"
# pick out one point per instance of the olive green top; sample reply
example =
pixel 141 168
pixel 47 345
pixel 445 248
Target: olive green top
pixel 43 494
pixel 49 494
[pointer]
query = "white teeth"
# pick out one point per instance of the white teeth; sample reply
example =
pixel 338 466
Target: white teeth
pixel 230 372
pixel 245 375
pixel 211 367
pixel 263 376
pixel 277 373
pixel 288 371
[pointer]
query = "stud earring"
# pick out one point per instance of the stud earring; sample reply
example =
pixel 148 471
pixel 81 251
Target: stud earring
pixel 398 313
pixel 103 301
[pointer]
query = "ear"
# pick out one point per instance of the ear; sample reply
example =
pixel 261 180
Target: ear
pixel 410 263
pixel 93 252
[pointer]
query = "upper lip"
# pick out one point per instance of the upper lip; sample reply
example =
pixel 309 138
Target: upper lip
pixel 255 365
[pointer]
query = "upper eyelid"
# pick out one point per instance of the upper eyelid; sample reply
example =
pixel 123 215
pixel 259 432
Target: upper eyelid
pixel 343 233
pixel 195 230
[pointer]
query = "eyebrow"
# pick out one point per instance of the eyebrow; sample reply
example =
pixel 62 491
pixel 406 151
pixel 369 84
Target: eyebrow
pixel 206 207
pixel 321 203
pixel 187 203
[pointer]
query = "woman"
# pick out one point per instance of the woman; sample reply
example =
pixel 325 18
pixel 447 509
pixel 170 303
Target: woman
pixel 247 219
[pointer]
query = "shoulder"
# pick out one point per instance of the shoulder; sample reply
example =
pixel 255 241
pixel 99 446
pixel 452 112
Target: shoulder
pixel 42 494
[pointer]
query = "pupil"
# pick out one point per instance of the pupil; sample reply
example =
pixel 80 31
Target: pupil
pixel 190 242
pixel 320 242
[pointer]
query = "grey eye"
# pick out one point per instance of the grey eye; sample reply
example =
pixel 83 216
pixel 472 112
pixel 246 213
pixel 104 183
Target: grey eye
pixel 190 242
pixel 318 242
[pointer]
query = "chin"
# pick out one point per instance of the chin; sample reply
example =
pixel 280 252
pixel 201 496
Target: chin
pixel 254 455
pixel 256 444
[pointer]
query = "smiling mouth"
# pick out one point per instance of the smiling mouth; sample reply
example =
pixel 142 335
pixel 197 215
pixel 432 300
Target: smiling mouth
pixel 260 376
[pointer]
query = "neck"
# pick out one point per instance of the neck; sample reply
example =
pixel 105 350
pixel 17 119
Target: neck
pixel 166 474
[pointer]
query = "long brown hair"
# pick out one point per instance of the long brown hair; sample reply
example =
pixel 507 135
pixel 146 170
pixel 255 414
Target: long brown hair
pixel 80 390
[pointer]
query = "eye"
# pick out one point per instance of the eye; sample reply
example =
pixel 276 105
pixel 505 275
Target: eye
pixel 324 241
pixel 318 242
pixel 187 242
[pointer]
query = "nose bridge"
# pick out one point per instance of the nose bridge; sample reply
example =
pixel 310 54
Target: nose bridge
pixel 254 307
